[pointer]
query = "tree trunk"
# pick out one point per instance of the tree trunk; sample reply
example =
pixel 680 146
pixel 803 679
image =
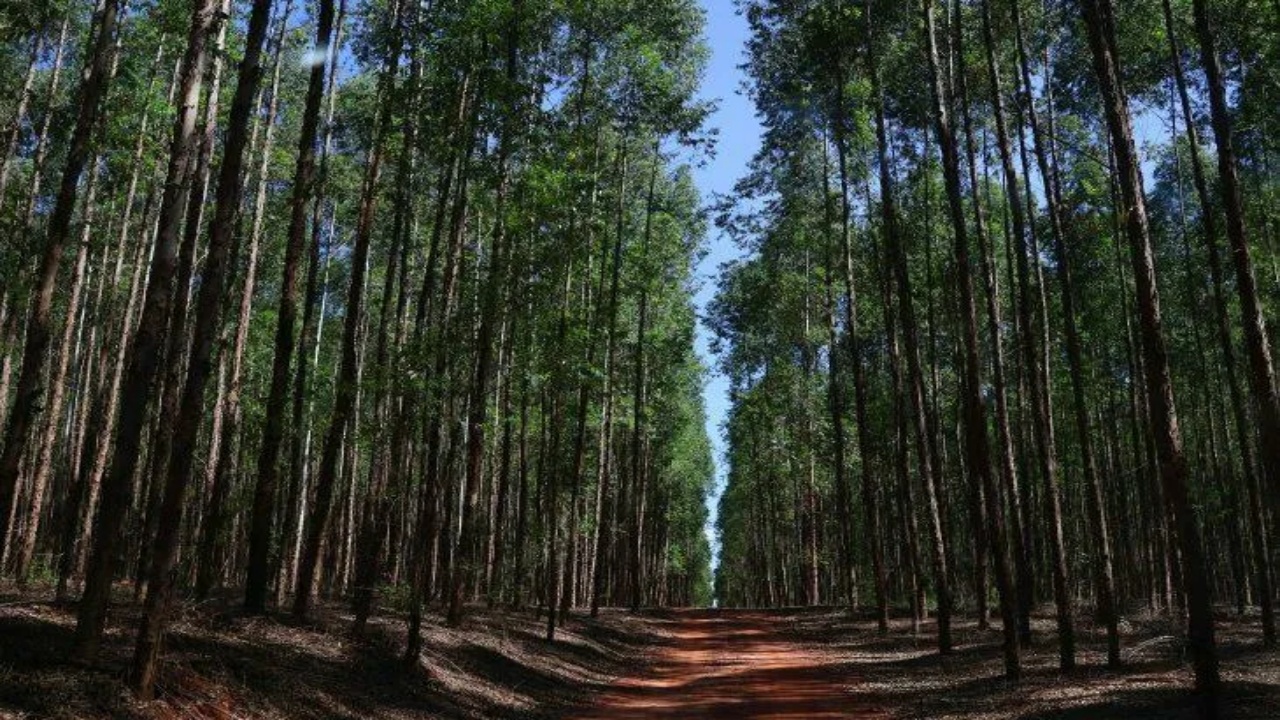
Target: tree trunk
pixel 1104 581
pixel 854 345
pixel 174 358
pixel 209 558
pixel 347 384
pixel 320 256
pixel 221 255
pixel 41 152
pixel 27 391
pixel 144 356
pixel 263 512
pixel 465 560
pixel 14 131
pixel 1035 364
pixel 1256 339
pixel 385 467
pixel 57 390
pixel 991 494
pixel 976 443
pixel 1099 24
pixel 606 521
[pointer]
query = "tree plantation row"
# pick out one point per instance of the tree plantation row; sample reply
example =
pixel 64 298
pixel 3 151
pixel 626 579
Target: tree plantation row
pixel 385 302
pixel 1002 332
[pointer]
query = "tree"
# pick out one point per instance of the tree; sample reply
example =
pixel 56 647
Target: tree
pixel 268 458
pixel 144 354
pixel 1099 24
pixel 220 255
pixel 27 391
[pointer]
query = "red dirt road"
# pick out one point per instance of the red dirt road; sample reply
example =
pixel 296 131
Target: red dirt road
pixel 733 665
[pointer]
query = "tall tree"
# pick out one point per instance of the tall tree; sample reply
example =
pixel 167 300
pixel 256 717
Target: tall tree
pixel 268 470
pixel 28 391
pixel 144 354
pixel 220 255
pixel 1100 28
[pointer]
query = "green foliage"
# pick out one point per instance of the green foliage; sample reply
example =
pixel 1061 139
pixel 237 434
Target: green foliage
pixel 778 314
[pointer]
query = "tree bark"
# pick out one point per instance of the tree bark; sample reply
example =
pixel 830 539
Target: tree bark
pixel 1252 318
pixel 1099 24
pixel 28 391
pixel 144 356
pixel 260 531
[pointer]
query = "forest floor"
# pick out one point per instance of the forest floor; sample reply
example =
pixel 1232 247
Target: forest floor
pixel 669 665
pixel 222 664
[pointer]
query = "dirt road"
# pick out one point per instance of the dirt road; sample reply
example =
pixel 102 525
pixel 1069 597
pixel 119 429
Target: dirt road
pixel 733 665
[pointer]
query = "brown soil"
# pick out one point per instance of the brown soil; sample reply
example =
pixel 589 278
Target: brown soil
pixel 733 665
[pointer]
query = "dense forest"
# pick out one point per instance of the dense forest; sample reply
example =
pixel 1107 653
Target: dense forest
pixel 1001 332
pixel 372 300
pixel 387 311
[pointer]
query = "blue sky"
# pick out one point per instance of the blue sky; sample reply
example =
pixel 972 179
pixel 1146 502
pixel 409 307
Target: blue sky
pixel 739 137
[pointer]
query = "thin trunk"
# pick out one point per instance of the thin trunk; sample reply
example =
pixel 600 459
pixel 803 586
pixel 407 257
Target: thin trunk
pixel 209 558
pixel 14 131
pixel 978 451
pixel 222 250
pixel 844 580
pixel 57 389
pixel 145 354
pixel 347 384
pixel 260 532
pixel 41 152
pixel 1034 362
pixel 384 469
pixel 174 358
pixel 1104 580
pixel 465 559
pixel 554 567
pixel 320 256
pixel 28 390
pixel 638 430
pixel 606 521
pixel 854 343
pixel 992 502
pixel 1252 318
pixel 1099 24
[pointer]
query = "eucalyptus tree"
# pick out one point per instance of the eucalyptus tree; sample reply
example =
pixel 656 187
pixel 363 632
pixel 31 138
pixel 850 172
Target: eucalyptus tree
pixel 303 186
pixel 144 353
pixel 98 62
pixel 1100 26
pixel 221 251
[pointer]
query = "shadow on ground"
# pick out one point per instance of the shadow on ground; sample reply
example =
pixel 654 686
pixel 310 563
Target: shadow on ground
pixel 220 663
pixel 665 665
